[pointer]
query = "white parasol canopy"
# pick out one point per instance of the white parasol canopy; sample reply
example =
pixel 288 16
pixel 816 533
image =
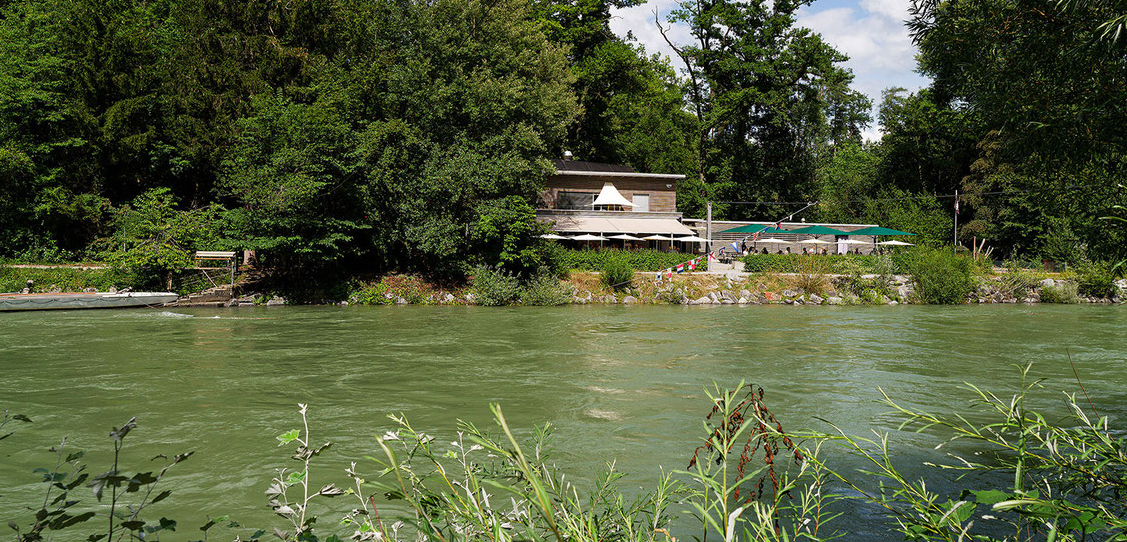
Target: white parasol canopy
pixel 625 237
pixel 895 243
pixel 610 196
pixel 658 238
pixel 691 239
pixel 814 242
pixel 553 236
pixel 588 237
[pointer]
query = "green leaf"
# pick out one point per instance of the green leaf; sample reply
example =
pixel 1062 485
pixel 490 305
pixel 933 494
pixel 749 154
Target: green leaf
pixel 288 437
pixel 990 496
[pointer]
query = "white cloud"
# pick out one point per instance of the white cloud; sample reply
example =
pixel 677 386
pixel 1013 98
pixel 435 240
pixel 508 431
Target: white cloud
pixel 871 32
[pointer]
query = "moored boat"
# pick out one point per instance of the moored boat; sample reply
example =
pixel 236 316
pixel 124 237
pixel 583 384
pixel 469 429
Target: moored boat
pixel 95 300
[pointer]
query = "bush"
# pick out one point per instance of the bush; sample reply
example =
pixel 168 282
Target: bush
pixel 1018 280
pixel 495 287
pixel 1094 279
pixel 1059 292
pixel 13 279
pixel 840 264
pixel 941 278
pixel 617 273
pixel 639 260
pixel 544 290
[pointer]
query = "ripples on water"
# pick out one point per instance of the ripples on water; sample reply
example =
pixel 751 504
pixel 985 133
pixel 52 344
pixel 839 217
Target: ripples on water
pixel 619 383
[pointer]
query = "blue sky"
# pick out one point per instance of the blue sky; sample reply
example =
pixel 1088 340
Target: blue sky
pixel 870 32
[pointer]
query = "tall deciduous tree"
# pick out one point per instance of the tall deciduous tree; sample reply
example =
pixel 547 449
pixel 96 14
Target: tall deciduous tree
pixel 756 84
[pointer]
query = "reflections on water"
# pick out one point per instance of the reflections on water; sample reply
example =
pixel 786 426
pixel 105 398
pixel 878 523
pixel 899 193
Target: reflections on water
pixel 619 383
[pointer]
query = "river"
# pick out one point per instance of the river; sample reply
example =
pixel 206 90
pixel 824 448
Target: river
pixel 622 383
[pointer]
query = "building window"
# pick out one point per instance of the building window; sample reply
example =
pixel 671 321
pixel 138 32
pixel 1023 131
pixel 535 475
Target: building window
pixel 641 203
pixel 575 200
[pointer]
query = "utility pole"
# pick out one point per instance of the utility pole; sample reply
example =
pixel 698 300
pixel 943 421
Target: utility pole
pixel 708 229
pixel 955 248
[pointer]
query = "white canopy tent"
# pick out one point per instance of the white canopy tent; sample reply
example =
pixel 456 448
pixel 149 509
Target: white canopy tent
pixel 610 196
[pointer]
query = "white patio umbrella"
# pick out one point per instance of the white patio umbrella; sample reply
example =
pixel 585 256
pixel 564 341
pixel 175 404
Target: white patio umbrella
pixel 691 239
pixel 896 243
pixel 553 236
pixel 656 238
pixel 588 237
pixel 625 237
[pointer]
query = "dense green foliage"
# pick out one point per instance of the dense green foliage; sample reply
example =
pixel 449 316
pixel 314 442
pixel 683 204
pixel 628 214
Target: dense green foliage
pixel 344 138
pixel 616 273
pixel 941 278
pixel 13 279
pixel 638 260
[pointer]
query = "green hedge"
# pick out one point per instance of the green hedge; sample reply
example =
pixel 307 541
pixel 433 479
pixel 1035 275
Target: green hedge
pixel 843 264
pixel 13 279
pixel 639 260
pixel 796 263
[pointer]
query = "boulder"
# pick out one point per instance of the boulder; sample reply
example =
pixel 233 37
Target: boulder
pixel 1047 283
pixel 277 301
pixel 745 294
pixel 448 298
pixel 342 303
pixel 469 298
pixel 771 297
pixel 401 301
pixel 816 299
pixel 629 300
pixel 834 301
pixel 893 302
pixel 789 293
pixel 742 300
pixel 715 298
pixel 704 300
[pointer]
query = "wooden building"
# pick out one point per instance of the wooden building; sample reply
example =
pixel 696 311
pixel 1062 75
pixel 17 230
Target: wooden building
pixel 589 197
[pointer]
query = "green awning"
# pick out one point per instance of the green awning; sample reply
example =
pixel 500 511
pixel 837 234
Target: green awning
pixel 755 228
pixel 877 230
pixel 819 230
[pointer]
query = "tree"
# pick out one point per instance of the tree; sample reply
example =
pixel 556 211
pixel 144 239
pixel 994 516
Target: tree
pixel 755 84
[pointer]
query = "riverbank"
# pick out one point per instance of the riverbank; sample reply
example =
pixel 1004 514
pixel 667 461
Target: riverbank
pixel 586 287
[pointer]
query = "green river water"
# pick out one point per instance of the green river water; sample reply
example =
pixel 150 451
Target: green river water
pixel 623 383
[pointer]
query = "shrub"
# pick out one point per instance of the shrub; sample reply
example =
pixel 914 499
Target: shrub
pixel 1017 281
pixel 1059 292
pixel 840 264
pixel 13 279
pixel 495 287
pixel 617 273
pixel 544 290
pixel 370 294
pixel 1094 279
pixel 811 277
pixel 639 260
pixel 941 278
